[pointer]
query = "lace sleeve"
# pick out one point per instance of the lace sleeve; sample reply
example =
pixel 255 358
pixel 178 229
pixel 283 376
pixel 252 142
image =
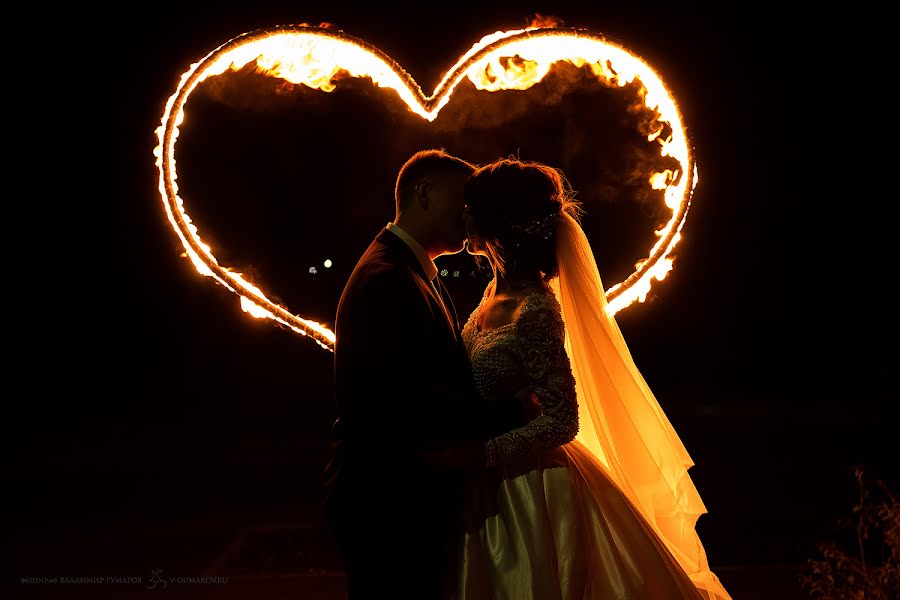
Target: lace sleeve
pixel 540 346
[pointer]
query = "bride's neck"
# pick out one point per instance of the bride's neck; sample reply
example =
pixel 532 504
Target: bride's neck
pixel 510 283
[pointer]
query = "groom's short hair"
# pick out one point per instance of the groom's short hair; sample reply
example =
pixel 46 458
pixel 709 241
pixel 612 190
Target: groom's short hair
pixel 433 161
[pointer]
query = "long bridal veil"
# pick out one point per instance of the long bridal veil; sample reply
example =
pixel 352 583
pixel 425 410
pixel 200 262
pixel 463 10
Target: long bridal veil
pixel 621 423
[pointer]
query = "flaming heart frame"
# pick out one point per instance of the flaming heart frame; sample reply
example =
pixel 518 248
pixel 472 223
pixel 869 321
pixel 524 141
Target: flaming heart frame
pixel 314 55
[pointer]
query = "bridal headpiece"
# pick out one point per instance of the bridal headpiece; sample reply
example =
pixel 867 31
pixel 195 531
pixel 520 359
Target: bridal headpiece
pixel 540 227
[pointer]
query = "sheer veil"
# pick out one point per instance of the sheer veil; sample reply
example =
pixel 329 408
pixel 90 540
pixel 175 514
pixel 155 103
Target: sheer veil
pixel 621 423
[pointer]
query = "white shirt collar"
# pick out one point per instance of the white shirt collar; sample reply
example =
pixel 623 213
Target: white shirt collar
pixel 425 260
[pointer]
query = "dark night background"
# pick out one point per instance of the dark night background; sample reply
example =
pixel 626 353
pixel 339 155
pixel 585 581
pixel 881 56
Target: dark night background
pixel 163 428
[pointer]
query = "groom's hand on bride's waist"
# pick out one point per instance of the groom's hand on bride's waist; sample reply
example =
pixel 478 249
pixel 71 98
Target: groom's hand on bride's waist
pixel 471 454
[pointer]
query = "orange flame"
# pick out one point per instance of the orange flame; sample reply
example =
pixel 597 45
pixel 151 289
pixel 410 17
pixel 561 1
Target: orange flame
pixel 539 20
pixel 503 60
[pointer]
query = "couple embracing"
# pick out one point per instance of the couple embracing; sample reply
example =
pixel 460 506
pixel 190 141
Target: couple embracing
pixel 517 455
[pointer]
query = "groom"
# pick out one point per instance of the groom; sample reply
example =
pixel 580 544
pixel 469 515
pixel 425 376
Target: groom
pixel 404 391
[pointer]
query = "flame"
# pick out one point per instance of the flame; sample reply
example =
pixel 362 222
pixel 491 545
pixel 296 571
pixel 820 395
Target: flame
pixel 540 20
pixel 503 60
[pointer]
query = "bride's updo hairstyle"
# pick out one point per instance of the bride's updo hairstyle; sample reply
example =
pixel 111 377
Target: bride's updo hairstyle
pixel 514 208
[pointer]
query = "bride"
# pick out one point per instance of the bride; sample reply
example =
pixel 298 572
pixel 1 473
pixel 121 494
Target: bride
pixel 592 499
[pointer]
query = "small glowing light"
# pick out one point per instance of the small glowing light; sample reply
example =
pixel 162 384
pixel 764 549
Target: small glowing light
pixel 456 273
pixel 327 263
pixel 313 270
pixel 444 272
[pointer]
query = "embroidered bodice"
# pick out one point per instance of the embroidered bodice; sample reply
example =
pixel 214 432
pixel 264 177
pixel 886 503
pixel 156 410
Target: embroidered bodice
pixel 529 351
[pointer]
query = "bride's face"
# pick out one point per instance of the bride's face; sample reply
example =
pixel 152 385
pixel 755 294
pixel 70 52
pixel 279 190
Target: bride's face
pixel 473 243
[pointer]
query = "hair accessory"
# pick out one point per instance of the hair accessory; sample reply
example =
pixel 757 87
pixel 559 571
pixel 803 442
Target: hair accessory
pixel 541 227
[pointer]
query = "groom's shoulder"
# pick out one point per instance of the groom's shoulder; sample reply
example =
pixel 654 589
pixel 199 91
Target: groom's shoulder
pixel 373 288
pixel 377 269
pixel 378 254
pixel 375 275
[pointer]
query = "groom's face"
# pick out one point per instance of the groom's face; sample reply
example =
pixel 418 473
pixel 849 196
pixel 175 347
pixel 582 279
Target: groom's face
pixel 447 204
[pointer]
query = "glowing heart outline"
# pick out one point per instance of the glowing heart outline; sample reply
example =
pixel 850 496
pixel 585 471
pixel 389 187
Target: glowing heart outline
pixel 542 46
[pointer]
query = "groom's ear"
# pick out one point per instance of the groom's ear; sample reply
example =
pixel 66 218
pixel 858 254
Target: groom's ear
pixel 423 193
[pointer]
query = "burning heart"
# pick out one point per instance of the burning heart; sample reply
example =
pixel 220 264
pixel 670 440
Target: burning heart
pixel 314 56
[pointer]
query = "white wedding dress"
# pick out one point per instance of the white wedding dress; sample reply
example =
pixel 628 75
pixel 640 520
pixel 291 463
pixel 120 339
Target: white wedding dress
pixel 551 525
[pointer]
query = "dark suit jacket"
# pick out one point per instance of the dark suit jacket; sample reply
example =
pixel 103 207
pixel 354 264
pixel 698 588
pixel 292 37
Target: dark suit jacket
pixel 403 383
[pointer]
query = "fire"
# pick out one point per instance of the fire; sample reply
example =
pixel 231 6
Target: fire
pixel 504 60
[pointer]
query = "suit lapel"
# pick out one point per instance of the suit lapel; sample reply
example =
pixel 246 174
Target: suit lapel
pixel 449 309
pixel 439 296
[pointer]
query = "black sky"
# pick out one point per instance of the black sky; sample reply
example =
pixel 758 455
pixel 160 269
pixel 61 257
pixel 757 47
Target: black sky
pixel 779 318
